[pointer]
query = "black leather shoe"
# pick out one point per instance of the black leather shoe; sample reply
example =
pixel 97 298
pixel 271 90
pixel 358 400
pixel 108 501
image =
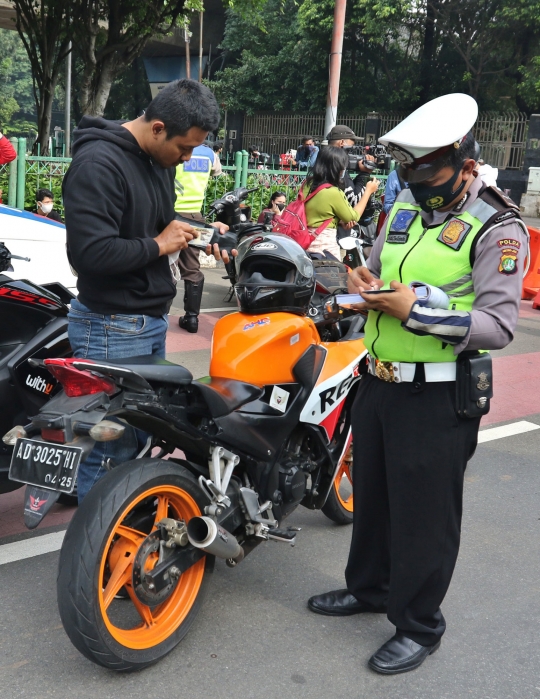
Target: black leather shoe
pixel 400 654
pixel 340 603
pixel 189 323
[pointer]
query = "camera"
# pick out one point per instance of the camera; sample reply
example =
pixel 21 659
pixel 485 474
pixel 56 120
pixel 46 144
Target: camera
pixel 358 153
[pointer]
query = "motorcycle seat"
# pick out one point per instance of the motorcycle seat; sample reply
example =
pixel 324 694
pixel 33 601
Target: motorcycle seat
pixel 223 396
pixel 154 368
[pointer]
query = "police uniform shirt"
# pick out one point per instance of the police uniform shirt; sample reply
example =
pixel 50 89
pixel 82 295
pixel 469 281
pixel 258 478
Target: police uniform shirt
pixel 495 309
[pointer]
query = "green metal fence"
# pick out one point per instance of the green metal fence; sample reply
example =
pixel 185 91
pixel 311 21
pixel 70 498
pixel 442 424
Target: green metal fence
pixel 21 179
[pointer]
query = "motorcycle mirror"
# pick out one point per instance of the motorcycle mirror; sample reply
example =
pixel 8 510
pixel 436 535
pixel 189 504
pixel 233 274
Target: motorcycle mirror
pixel 348 243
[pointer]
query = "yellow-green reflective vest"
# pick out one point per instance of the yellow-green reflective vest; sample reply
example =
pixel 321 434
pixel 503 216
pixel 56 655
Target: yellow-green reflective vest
pixel 191 180
pixel 437 255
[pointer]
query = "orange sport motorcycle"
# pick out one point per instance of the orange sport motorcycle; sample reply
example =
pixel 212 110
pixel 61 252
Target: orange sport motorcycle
pixel 268 430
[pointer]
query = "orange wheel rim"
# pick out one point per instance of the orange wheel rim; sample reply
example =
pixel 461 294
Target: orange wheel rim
pixel 151 625
pixel 343 481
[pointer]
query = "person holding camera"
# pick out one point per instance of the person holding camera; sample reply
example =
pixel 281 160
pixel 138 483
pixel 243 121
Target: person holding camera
pixel 342 136
pixel 427 379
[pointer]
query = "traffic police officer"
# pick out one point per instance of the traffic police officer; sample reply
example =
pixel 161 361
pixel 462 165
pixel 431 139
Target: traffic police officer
pixel 190 184
pixel 411 439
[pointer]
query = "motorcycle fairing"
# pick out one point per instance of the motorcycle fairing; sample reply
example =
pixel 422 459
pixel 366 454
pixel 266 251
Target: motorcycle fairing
pixel 326 401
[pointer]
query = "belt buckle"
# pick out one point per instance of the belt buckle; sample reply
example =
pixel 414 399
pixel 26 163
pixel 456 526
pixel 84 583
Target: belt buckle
pixel 384 371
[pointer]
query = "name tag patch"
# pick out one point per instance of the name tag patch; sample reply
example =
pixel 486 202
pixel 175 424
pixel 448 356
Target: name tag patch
pixel 454 233
pixel 397 238
pixel 402 221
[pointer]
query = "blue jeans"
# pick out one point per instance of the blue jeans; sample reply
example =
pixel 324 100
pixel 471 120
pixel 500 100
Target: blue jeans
pixel 98 336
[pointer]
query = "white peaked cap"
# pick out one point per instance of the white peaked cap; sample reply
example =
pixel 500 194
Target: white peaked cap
pixel 440 122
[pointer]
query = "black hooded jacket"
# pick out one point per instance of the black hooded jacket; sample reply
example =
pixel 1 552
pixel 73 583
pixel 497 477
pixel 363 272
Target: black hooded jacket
pixel 117 200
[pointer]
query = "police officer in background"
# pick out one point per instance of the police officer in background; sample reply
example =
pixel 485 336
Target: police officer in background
pixel 413 431
pixel 190 182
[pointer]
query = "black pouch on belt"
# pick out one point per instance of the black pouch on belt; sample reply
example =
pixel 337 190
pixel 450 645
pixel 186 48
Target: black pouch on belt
pixel 474 384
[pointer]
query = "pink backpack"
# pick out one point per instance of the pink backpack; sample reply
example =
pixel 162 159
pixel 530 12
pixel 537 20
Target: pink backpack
pixel 293 221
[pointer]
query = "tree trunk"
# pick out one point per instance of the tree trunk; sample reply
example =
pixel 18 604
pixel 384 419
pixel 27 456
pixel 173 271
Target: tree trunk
pixel 44 113
pixel 428 53
pixel 99 94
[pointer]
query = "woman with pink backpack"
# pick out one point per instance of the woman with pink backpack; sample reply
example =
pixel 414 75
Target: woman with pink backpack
pixel 313 218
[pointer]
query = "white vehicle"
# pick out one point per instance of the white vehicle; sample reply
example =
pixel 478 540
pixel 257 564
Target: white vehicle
pixel 42 241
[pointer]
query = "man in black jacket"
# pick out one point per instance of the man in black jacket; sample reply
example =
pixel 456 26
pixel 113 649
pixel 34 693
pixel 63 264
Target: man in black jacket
pixel 119 211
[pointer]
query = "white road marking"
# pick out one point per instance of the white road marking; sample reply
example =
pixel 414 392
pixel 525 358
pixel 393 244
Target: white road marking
pixel 506 431
pixel 28 548
pixel 215 310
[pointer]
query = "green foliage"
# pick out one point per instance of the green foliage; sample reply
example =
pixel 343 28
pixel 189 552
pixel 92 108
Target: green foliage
pixel 396 54
pixel 529 88
pixel 16 95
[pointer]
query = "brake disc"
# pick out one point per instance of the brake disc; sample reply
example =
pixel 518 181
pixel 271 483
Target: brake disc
pixel 146 559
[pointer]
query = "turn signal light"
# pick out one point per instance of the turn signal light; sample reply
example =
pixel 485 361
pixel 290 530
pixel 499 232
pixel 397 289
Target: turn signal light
pixel 15 433
pixel 76 382
pixel 106 431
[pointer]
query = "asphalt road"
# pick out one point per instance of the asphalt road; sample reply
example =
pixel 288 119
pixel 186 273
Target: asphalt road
pixel 255 638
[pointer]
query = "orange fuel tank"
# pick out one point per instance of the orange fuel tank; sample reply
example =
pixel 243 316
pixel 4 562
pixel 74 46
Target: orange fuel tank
pixel 260 349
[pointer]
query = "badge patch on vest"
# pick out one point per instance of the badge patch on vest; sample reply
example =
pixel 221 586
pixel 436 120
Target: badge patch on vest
pixel 401 223
pixel 454 233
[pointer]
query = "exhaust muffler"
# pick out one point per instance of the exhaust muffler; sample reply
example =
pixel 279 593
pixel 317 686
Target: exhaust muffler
pixel 205 534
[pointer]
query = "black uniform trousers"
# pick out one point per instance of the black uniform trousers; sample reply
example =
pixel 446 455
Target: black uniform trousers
pixel 410 454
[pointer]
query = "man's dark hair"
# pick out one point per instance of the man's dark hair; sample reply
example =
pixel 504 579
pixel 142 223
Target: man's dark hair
pixel 328 168
pixel 467 150
pixel 182 105
pixel 42 194
pixel 218 145
pixel 305 139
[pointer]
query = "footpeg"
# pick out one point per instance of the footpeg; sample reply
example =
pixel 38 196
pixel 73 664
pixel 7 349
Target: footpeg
pixel 288 536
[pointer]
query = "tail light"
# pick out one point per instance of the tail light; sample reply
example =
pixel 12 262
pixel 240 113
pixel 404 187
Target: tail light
pixel 76 382
pixel 50 435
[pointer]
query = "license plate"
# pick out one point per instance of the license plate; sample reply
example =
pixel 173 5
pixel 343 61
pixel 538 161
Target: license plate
pixel 47 465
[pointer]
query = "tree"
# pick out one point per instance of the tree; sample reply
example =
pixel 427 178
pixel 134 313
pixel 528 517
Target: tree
pixel 111 34
pixel 45 30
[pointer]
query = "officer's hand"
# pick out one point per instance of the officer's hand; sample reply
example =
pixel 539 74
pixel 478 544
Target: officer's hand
pixel 361 279
pixel 175 237
pixel 347 226
pixel 397 304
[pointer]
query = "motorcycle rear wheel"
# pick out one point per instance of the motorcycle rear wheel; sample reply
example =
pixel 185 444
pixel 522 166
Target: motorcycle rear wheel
pixel 339 504
pixel 96 564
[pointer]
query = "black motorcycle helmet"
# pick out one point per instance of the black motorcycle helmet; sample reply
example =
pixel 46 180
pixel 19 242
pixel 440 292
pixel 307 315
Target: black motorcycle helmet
pixel 274 274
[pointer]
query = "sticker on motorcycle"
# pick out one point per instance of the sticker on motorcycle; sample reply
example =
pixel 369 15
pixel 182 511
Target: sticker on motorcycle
pixel 254 323
pixel 327 395
pixel 279 399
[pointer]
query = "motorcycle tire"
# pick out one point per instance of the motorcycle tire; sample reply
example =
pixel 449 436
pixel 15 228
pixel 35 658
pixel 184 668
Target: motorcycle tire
pixel 96 566
pixel 339 504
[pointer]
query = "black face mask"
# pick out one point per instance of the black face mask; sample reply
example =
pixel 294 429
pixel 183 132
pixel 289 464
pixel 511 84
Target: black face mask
pixel 280 206
pixel 431 198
